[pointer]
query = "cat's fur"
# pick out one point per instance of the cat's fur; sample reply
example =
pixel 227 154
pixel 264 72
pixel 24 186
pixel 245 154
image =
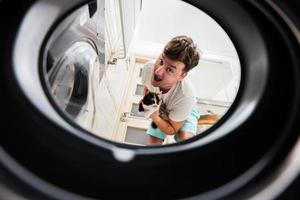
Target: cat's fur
pixel 151 98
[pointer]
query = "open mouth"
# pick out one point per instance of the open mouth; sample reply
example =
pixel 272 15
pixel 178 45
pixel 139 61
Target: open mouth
pixel 157 78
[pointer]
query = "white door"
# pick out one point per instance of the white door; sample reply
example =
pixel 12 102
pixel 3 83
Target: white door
pixel 131 127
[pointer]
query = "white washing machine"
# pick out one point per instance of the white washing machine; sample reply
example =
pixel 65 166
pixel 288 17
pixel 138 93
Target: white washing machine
pixel 75 63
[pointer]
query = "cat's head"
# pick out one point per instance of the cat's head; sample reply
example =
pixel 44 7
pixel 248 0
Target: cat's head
pixel 151 98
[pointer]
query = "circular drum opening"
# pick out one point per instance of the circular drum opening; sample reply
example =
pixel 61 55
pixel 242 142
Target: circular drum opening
pixel 46 154
pixel 116 81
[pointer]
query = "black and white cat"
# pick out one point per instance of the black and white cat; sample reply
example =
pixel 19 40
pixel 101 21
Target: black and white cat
pixel 154 99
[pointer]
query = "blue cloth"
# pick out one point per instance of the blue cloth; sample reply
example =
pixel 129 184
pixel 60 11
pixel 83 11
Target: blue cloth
pixel 190 125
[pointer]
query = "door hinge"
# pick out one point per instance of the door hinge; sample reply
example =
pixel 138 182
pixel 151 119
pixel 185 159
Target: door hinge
pixel 124 116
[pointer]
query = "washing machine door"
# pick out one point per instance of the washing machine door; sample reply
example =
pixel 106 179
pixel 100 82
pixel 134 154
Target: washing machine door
pixel 252 153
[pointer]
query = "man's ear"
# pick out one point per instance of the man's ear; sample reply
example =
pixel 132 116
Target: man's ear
pixel 183 75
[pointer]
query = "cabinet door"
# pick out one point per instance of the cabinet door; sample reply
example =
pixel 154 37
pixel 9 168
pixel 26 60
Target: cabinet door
pixel 132 125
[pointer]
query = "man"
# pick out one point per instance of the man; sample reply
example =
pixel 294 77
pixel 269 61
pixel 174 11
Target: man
pixel 168 76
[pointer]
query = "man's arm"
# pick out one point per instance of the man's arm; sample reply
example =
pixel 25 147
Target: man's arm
pixel 168 127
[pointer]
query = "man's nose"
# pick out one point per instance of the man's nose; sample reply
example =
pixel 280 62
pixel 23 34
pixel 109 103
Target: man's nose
pixel 159 70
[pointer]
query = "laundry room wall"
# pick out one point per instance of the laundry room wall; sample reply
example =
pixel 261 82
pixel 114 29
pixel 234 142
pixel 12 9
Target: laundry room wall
pixel 161 20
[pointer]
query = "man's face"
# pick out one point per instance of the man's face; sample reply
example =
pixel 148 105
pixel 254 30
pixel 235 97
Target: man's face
pixel 167 73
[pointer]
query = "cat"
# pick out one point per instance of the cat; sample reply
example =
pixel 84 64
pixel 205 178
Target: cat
pixel 151 98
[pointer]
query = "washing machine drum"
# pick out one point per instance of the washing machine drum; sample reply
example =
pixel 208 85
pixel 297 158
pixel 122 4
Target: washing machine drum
pixel 70 78
pixel 252 153
pixel 72 55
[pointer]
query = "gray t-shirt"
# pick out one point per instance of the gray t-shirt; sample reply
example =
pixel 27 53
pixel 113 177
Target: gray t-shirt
pixel 180 99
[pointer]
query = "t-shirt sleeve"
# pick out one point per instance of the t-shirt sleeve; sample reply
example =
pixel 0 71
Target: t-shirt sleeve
pixel 182 109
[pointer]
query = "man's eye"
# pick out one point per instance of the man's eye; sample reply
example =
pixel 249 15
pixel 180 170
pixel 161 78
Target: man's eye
pixel 161 62
pixel 169 70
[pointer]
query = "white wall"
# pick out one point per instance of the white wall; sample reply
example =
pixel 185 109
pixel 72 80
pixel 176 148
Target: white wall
pixel 161 20
pixel 211 80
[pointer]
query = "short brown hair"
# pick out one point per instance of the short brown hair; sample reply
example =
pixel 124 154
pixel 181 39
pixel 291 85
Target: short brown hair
pixel 183 49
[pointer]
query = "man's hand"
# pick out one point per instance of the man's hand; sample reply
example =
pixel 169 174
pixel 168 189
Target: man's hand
pixel 149 110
